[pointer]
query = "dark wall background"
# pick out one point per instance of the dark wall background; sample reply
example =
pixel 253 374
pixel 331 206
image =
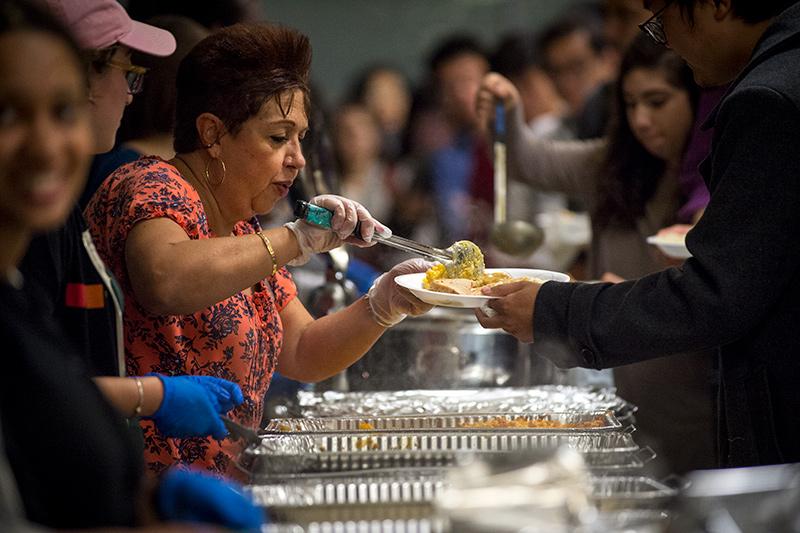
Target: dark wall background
pixel 349 35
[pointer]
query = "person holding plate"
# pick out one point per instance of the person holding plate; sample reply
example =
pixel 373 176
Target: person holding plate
pixel 738 292
pixel 629 182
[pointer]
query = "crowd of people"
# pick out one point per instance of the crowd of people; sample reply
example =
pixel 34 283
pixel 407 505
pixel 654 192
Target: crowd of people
pixel 147 260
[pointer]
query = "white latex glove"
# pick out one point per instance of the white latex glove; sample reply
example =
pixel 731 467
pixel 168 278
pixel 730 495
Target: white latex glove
pixel 390 303
pixel 346 213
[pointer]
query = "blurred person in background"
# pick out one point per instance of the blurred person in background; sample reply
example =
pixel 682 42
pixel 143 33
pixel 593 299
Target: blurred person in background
pixel 206 288
pixel 63 264
pixel 364 176
pixel 461 171
pixel 621 19
pixel 518 59
pixel 629 181
pixel 386 93
pixel 367 177
pixel 69 452
pixel 146 127
pixel 620 26
pixel 577 57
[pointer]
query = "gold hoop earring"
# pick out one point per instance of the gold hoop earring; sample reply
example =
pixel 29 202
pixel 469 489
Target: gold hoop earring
pixel 208 174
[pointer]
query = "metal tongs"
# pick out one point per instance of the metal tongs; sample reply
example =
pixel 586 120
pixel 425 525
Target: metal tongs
pixel 320 216
pixel 241 432
pixel 412 247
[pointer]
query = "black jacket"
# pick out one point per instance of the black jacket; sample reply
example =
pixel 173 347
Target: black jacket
pixel 80 293
pixel 740 292
pixel 74 461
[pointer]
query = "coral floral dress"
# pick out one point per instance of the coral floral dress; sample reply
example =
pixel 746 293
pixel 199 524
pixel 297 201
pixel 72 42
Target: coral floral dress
pixel 238 339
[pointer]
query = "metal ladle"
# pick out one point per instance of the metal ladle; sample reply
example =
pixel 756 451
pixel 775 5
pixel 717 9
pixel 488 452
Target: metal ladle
pixel 514 237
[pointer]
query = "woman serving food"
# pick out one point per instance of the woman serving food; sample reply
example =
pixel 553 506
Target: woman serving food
pixel 205 285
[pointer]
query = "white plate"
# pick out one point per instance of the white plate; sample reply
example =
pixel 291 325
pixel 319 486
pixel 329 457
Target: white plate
pixel 413 282
pixel 670 247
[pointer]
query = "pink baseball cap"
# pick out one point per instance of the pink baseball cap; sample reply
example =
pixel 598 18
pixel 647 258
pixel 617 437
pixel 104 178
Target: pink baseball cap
pixel 98 24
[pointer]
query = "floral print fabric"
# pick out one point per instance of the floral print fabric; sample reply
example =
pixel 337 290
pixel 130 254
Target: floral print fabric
pixel 238 339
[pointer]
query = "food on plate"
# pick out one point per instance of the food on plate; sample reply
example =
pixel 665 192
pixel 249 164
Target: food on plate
pixel 468 287
pixel 465 274
pixel 467 263
pixel 502 422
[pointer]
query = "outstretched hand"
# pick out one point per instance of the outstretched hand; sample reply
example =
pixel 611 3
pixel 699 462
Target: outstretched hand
pixel 513 308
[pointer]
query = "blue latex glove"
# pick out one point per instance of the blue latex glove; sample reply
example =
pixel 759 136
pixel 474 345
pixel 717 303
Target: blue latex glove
pixel 192 496
pixel 192 405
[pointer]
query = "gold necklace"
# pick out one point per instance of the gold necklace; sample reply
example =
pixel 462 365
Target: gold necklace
pixel 182 160
pixel 195 185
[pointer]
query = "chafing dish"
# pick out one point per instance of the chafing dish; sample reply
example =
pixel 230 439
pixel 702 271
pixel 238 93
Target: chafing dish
pixel 612 493
pixel 397 489
pixel 552 398
pixel 338 452
pixel 566 422
pixel 608 493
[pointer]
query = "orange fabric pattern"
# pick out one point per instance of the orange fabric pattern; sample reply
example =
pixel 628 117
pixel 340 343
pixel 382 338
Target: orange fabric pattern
pixel 238 339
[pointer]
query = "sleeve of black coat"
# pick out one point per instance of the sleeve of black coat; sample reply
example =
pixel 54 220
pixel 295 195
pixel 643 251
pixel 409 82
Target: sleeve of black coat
pixel 745 250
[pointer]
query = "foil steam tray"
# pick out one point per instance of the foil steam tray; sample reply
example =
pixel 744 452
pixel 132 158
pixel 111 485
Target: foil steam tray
pixel 608 493
pixel 349 490
pixel 565 422
pixel 612 493
pixel 424 525
pixel 435 441
pixel 553 398
pixel 329 452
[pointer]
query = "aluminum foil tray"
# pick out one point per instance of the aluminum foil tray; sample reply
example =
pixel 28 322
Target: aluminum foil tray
pixel 612 493
pixel 571 421
pixel 609 493
pixel 347 513
pixel 552 398
pixel 426 525
pixel 349 490
pixel 322 452
pixel 613 461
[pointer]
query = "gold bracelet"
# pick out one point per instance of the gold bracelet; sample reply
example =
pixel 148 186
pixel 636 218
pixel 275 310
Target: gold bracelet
pixel 140 389
pixel 271 251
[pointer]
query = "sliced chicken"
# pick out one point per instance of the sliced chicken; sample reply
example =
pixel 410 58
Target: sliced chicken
pixel 453 286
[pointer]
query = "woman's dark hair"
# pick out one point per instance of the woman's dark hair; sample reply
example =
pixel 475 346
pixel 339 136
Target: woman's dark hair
pixel 631 173
pixel 233 72
pixel 21 15
pixel 153 110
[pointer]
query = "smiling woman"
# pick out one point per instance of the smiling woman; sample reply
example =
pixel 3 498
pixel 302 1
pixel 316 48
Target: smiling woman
pixel 205 287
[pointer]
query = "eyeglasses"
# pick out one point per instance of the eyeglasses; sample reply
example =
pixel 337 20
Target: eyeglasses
pixel 654 26
pixel 134 75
